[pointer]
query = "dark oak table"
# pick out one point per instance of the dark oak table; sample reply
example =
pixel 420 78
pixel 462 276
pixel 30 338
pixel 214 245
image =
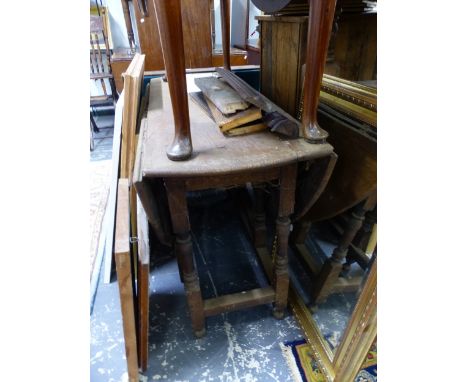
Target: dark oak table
pixel 218 161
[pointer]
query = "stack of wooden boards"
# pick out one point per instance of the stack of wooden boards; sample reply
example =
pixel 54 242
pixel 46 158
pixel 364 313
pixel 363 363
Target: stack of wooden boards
pixel 128 225
pixel 233 115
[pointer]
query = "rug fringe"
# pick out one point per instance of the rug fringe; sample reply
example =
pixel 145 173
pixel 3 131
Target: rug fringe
pixel 290 360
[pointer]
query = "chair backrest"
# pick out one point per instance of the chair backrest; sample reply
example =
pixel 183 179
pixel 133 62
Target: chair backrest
pixel 100 68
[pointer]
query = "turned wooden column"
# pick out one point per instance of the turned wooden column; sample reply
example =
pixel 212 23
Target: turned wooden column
pixel 357 251
pixel 226 31
pixel 321 14
pixel 169 18
pixel 332 268
pixel 283 226
pixel 259 224
pixel 176 197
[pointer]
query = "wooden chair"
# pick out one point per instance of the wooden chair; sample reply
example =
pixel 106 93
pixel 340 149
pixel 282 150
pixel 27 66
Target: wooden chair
pixel 100 69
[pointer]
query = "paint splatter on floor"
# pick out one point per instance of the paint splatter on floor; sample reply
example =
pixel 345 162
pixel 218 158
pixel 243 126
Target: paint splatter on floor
pixel 240 346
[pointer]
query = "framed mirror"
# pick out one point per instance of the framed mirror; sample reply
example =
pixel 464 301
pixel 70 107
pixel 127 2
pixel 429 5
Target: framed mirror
pixel 340 357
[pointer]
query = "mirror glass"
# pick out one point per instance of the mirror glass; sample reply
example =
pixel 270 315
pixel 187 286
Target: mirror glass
pixel 352 53
pixel 332 307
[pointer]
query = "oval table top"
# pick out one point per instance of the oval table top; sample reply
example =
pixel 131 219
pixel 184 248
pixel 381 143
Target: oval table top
pixel 213 153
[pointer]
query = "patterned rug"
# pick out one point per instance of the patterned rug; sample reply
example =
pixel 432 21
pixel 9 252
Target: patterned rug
pixel 304 368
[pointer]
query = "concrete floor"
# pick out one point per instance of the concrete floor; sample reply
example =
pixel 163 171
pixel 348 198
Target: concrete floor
pixel 238 346
pixel 103 138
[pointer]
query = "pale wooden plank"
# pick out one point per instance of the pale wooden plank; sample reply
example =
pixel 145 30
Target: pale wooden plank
pixel 133 78
pixel 249 129
pixel 124 277
pixel 221 94
pixel 109 223
pixel 231 121
pixel 143 285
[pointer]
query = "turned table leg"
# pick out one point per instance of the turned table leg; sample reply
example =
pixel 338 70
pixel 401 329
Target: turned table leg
pixel 332 268
pixel 176 196
pixel 283 225
pixel 169 18
pixel 360 242
pixel 259 231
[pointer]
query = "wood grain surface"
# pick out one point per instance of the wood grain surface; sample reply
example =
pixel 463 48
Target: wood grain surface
pixel 124 277
pixel 196 25
pixel 143 285
pixel 225 98
pixel 133 79
pixel 213 153
pixel 283 43
pixel 232 121
pixel 148 36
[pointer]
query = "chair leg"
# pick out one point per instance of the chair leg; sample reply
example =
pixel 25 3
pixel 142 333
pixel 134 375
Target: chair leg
pixel 91 135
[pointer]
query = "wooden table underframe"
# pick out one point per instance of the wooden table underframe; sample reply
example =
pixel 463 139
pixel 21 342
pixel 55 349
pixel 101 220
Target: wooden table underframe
pixel 199 308
pixel 218 161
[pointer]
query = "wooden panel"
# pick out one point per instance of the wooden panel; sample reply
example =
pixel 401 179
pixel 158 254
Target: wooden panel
pixel 196 26
pixel 283 42
pixel 355 173
pixel 236 59
pixel 143 286
pixel 124 277
pixel 133 79
pixel 238 301
pixel 148 35
pixel 224 122
pixel 200 183
pixel 356 47
pixel 251 128
pixel 221 94
pixel 112 201
pixel 253 56
pixel 118 69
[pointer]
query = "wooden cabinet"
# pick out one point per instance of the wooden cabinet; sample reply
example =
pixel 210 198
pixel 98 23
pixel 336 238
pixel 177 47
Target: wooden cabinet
pixel 120 60
pixel 283 48
pixel 352 54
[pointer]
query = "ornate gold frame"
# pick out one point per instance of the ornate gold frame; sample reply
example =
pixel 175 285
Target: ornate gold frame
pixel 359 335
pixel 357 339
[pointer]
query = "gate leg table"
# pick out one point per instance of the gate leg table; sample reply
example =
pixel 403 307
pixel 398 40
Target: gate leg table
pixel 218 161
